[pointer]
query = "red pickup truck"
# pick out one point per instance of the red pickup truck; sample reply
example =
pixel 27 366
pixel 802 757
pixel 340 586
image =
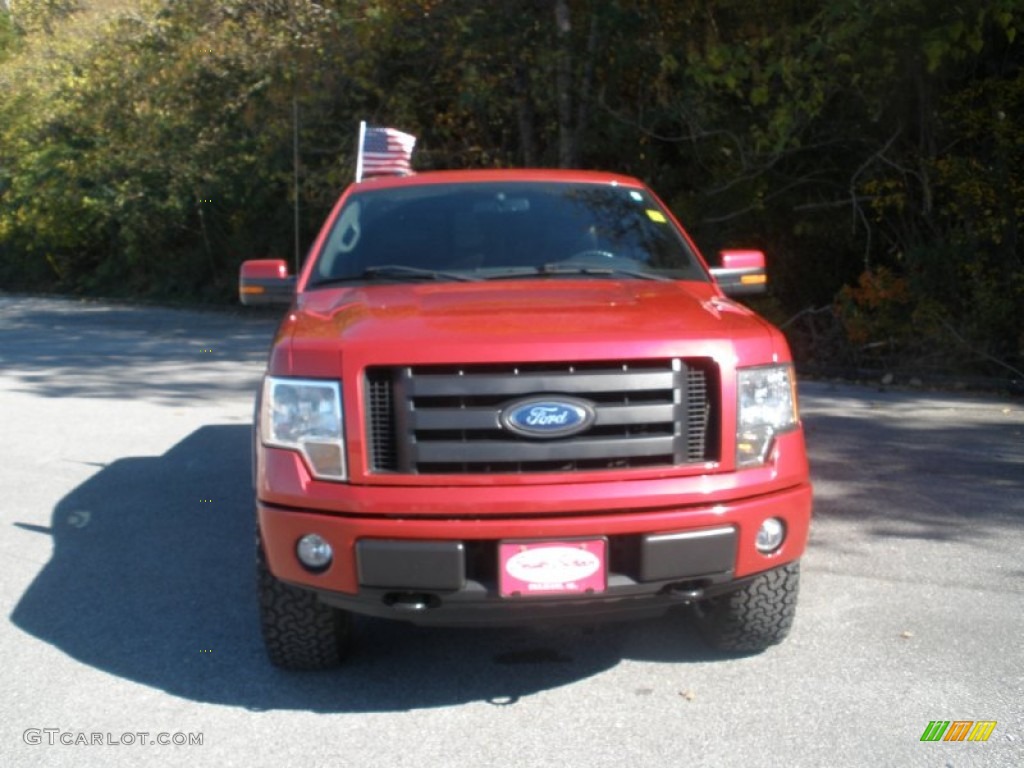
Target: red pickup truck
pixel 507 396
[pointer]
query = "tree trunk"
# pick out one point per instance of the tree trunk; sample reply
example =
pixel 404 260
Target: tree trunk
pixel 586 86
pixel 526 117
pixel 563 84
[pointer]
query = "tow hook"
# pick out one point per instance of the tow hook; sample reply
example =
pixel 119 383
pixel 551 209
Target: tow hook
pixel 411 602
pixel 686 593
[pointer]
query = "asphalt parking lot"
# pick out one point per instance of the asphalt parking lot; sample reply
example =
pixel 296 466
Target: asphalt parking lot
pixel 129 605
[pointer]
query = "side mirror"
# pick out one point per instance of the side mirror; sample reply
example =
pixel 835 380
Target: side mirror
pixel 742 273
pixel 265 281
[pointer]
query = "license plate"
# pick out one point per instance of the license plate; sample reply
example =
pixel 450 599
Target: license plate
pixel 552 567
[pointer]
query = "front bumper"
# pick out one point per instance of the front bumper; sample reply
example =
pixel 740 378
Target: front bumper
pixel 446 572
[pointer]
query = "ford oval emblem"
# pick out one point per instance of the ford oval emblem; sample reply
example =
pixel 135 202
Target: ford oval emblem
pixel 548 416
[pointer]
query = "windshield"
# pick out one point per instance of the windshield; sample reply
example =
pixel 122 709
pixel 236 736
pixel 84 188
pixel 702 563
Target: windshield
pixel 503 230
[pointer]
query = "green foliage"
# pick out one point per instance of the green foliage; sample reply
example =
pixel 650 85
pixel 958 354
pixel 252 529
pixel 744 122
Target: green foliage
pixel 35 17
pixel 8 36
pixel 150 158
pixel 146 145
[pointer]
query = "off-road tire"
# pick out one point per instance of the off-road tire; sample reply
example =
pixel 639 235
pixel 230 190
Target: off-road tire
pixel 299 631
pixel 753 617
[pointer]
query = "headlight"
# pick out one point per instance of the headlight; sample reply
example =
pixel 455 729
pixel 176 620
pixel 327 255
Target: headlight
pixel 305 416
pixel 766 407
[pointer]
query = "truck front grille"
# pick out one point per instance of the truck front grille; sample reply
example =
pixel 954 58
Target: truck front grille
pixel 446 419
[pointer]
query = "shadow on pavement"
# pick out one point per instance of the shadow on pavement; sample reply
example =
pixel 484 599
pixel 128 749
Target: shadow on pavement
pixel 64 348
pixel 915 467
pixel 151 579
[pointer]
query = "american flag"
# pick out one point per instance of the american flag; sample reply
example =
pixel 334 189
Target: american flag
pixel 385 151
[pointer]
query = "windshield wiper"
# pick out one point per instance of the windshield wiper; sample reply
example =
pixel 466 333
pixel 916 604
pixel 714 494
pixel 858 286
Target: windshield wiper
pixel 397 272
pixel 568 268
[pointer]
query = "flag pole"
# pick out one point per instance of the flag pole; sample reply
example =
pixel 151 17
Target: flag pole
pixel 295 180
pixel 359 150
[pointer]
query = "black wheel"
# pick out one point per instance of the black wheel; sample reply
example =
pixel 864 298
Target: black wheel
pixel 754 617
pixel 299 631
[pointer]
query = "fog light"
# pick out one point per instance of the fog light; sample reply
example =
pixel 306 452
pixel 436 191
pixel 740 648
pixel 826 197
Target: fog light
pixel 314 552
pixel 770 535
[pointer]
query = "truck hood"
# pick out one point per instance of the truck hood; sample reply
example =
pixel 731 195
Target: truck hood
pixel 520 320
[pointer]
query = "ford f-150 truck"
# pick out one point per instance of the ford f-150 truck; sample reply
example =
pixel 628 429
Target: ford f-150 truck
pixel 506 396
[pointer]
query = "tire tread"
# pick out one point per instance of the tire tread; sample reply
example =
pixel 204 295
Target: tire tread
pixel 299 631
pixel 754 617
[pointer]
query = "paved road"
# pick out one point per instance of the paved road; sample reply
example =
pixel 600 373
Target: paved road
pixel 129 607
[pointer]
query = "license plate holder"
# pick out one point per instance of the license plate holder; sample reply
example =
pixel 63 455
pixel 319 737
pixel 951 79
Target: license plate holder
pixel 552 567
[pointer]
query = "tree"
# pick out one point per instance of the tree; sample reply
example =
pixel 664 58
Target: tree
pixel 147 146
